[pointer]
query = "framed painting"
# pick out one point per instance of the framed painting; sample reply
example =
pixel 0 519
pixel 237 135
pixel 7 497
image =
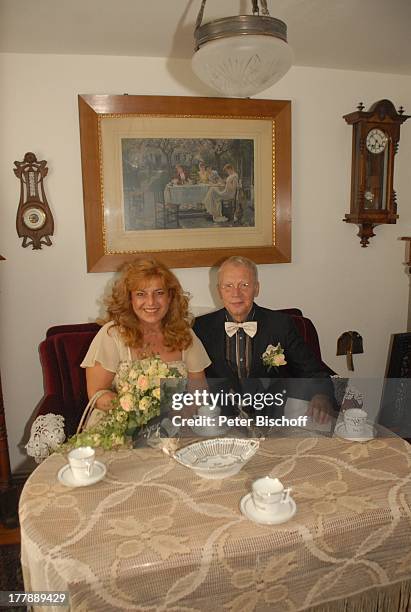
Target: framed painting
pixel 189 181
pixel 395 413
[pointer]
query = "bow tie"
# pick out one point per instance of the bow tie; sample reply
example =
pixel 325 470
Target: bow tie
pixel 250 328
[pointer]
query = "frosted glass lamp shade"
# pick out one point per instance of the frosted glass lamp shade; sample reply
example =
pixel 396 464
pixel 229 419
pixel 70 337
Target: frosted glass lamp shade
pixel 242 65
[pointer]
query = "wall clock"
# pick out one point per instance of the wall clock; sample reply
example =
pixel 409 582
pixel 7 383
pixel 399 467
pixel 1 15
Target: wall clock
pixel 376 134
pixel 34 220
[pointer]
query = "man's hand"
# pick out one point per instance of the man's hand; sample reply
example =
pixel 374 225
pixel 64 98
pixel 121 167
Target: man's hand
pixel 320 408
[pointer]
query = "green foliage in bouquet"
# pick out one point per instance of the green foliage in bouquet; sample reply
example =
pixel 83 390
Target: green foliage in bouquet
pixel 137 402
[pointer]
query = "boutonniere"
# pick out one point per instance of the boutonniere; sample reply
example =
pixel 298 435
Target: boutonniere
pixel 273 356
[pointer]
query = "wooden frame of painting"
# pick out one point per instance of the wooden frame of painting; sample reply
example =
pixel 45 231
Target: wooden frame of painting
pixel 143 158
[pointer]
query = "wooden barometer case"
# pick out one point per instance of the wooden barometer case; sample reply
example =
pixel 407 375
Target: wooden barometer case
pixel 34 220
pixel 376 134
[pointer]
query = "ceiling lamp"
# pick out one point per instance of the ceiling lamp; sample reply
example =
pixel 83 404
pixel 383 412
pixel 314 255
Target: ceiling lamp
pixel 242 55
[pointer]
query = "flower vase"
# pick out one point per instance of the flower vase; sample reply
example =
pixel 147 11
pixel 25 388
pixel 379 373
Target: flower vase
pixel 145 434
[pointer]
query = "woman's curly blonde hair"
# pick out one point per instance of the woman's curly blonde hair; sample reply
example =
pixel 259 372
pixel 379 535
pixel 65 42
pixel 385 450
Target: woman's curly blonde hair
pixel 176 323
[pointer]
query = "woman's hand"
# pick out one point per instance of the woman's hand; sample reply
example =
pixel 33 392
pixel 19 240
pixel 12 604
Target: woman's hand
pixel 104 402
pixel 196 382
pixel 98 378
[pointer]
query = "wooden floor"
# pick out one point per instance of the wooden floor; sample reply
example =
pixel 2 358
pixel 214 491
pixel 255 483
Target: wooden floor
pixel 9 499
pixel 11 574
pixel 11 577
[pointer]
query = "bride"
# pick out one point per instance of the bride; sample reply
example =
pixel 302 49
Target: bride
pixel 147 314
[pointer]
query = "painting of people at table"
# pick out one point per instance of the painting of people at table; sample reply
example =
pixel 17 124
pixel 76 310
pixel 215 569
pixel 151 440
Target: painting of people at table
pixel 203 172
pixel 207 175
pixel 186 183
pixel 215 197
pixel 181 176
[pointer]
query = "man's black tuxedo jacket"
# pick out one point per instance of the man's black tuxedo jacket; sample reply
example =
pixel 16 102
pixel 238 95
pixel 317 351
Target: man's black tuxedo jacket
pixel 272 328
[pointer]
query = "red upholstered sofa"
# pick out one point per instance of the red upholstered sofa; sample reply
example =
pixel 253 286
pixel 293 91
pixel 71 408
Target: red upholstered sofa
pixel 64 380
pixel 65 383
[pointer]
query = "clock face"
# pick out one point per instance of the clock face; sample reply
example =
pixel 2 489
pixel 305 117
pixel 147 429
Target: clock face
pixel 376 141
pixel 34 218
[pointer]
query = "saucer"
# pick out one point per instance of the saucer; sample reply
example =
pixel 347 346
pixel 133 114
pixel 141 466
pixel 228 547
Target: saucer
pixel 65 475
pixel 368 433
pixel 284 514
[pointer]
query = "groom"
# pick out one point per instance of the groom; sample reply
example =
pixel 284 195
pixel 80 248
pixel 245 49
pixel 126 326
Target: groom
pixel 236 350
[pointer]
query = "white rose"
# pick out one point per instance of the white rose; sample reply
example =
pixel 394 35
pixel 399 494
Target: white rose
pixel 152 370
pixel 126 402
pixel 163 370
pixel 144 404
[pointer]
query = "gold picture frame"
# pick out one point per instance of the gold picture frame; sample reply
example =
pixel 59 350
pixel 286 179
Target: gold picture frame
pixel 109 121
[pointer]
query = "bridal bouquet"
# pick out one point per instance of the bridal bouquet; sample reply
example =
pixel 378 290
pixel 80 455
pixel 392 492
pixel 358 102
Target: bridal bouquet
pixel 137 402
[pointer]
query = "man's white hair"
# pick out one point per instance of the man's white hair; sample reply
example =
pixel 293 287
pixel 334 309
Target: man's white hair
pixel 237 260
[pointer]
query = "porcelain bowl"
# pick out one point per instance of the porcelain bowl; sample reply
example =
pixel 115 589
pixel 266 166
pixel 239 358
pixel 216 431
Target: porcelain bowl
pixel 217 458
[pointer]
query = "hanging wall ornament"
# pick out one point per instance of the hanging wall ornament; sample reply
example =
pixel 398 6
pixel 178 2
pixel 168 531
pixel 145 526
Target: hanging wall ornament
pixel 34 220
pixel 376 134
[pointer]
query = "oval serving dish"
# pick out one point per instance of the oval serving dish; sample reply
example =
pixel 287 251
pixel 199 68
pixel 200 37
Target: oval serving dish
pixel 218 458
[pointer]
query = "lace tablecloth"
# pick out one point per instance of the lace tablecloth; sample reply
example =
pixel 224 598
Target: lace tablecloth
pixel 185 194
pixel 153 536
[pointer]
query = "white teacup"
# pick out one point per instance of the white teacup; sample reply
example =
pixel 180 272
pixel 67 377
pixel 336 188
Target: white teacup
pixel 268 494
pixel 81 462
pixel 208 411
pixel 354 421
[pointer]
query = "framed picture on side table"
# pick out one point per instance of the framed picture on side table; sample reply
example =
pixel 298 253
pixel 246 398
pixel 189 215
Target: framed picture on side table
pixel 189 181
pixel 395 413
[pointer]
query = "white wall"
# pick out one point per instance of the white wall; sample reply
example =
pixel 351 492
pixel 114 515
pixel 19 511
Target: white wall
pixel 337 283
